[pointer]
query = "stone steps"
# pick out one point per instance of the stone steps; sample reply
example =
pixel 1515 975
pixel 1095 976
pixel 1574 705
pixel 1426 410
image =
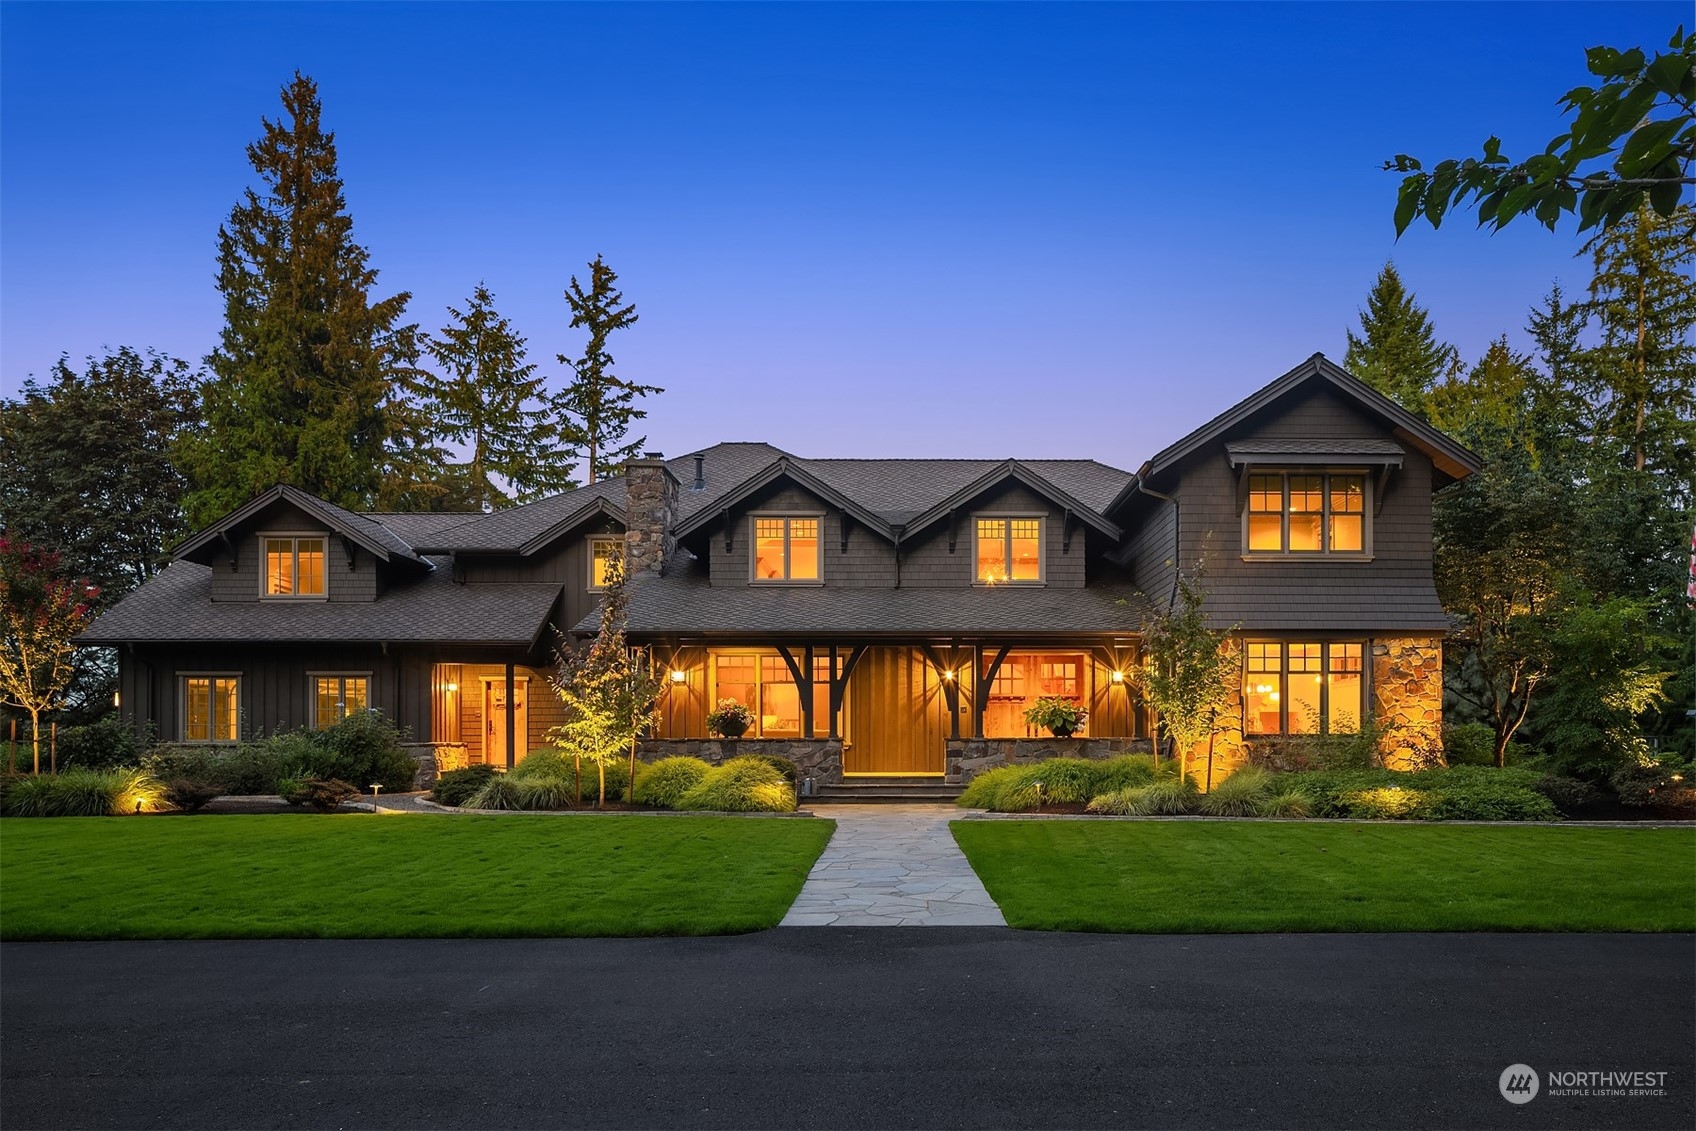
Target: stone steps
pixel 886 790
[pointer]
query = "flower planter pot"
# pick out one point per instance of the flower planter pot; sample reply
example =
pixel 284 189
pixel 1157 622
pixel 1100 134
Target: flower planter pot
pixel 733 730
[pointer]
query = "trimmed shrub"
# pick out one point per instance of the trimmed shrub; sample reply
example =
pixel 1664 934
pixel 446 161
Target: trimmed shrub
pixel 364 748
pixel 84 793
pixel 1243 794
pixel 1286 803
pixel 741 785
pixel 1569 795
pixel 618 781
pixel 1129 770
pixel 324 796
pixel 105 745
pixel 1469 744
pixel 1380 803
pixel 499 792
pixel 189 796
pixel 1488 803
pixel 547 762
pixel 456 787
pixel 664 782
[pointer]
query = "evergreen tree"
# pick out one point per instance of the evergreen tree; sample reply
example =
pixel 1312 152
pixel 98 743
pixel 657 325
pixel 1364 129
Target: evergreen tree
pixel 1397 351
pixel 309 364
pixel 596 408
pixel 1493 396
pixel 86 468
pixel 490 401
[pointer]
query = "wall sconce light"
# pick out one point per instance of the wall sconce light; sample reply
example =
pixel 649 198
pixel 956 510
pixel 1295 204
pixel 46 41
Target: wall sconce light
pixel 678 675
pixel 453 687
pixel 117 699
pixel 948 674
pixel 1118 677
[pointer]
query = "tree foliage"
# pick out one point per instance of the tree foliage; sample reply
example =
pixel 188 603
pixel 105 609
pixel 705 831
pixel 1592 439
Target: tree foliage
pixel 489 400
pixel 1188 669
pixel 609 692
pixel 309 364
pixel 1642 116
pixel 42 609
pixel 1397 351
pixel 86 467
pixel 597 406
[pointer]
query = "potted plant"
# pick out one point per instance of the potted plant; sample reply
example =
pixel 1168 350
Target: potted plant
pixel 730 720
pixel 1060 717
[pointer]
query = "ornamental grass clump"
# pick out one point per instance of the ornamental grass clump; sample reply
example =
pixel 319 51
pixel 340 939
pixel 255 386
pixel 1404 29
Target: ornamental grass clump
pixel 1286 803
pixel 499 792
pixel 741 785
pixel 1243 794
pixel 84 793
pixel 664 783
pixel 1169 797
pixel 456 787
pixel 546 793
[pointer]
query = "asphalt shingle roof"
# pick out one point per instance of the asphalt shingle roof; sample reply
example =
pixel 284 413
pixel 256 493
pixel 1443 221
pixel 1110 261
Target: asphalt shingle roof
pixel 177 605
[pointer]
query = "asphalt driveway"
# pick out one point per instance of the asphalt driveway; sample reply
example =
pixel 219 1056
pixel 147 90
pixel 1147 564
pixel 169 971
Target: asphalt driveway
pixel 877 1027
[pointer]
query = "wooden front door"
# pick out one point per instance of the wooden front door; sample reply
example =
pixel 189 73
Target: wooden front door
pixel 898 717
pixel 494 720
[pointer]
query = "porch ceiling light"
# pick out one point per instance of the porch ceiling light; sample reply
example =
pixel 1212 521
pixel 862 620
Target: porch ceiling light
pixel 678 675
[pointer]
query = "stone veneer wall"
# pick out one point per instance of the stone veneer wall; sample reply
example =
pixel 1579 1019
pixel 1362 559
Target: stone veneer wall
pixel 969 757
pixel 1407 700
pixel 435 759
pixel 816 758
pixel 650 505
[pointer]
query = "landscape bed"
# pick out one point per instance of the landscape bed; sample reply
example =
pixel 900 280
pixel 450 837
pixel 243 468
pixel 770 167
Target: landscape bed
pixel 1226 876
pixel 399 876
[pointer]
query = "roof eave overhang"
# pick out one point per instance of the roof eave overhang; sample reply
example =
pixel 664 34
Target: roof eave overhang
pixel 781 468
pixel 565 526
pixel 1010 469
pixel 191 549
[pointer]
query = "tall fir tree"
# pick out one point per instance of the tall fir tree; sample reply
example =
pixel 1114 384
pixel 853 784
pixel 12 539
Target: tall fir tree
pixel 597 407
pixel 86 465
pixel 309 365
pixel 1397 351
pixel 490 401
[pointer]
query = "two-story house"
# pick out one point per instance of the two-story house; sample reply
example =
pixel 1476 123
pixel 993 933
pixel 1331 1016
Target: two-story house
pixel 890 617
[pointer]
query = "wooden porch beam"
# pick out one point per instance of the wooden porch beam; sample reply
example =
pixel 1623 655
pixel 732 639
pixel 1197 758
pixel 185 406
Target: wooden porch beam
pixel 511 717
pixel 986 680
pixel 803 684
pixel 950 688
pixel 839 685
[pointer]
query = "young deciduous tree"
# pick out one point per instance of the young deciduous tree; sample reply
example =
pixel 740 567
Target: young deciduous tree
pixel 86 467
pixel 1397 351
pixel 1188 667
pixel 489 400
pixel 609 693
pixel 309 363
pixel 40 611
pixel 596 408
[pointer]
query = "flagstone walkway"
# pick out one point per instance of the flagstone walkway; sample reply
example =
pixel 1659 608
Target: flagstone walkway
pixel 892 866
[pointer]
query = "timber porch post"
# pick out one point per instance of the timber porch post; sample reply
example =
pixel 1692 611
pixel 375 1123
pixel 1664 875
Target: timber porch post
pixel 511 717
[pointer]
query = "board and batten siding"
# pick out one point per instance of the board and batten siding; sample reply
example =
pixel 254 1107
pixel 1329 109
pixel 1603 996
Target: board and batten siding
pixel 358 582
pixel 565 563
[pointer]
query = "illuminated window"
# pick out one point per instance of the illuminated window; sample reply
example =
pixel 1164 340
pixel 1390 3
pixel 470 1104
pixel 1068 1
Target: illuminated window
pixel 1009 550
pixel 1025 677
pixel 762 682
pixel 294 567
pixel 1305 513
pixel 1301 687
pixel 211 706
pixel 602 553
pixel 335 697
pixel 786 549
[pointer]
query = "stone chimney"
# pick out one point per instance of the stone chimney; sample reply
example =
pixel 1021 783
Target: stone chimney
pixel 650 507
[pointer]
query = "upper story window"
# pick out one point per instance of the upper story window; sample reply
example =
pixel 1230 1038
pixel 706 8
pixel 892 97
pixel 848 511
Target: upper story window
pixel 786 548
pixel 294 567
pixel 1301 512
pixel 335 697
pixel 1009 550
pixel 211 708
pixel 602 553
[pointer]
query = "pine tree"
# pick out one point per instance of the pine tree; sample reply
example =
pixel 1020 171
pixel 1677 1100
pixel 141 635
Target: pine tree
pixel 309 363
pixel 1397 352
pixel 596 408
pixel 1642 377
pixel 490 401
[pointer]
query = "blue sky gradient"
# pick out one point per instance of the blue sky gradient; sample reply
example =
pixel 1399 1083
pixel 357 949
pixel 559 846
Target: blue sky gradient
pixel 887 230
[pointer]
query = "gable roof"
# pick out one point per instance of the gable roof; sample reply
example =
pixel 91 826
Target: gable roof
pixel 1020 472
pixel 1450 457
pixel 362 530
pixel 784 467
pixel 525 529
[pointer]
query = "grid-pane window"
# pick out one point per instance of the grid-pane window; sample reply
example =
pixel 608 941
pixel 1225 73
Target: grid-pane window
pixel 1302 687
pixel 210 708
pixel 1009 550
pixel 1025 677
pixel 335 697
pixel 602 553
pixel 294 567
pixel 1306 513
pixel 786 549
pixel 763 683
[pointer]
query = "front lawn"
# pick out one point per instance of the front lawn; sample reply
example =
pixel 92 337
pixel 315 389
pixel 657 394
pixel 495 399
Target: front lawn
pixel 1207 876
pixel 399 876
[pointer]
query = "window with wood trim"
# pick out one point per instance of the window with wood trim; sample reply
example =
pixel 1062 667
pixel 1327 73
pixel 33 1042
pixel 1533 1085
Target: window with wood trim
pixel 787 548
pixel 1025 677
pixel 1009 550
pixel 1302 687
pixel 762 682
pixel 1303 512
pixel 335 697
pixel 211 708
pixel 294 567
pixel 602 553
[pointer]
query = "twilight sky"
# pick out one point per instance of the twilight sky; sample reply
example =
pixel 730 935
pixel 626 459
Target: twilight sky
pixel 880 230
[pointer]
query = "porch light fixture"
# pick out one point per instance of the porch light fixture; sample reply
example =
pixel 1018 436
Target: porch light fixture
pixel 678 675
pixel 1118 677
pixel 451 687
pixel 948 674
pixel 117 699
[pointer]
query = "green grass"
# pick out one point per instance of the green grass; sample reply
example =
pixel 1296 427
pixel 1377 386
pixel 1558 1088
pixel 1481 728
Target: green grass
pixel 398 876
pixel 1205 876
